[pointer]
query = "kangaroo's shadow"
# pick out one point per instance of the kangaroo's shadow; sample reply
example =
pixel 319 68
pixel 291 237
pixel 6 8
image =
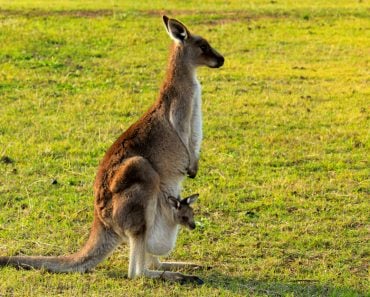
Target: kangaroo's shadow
pixel 249 287
pixel 266 287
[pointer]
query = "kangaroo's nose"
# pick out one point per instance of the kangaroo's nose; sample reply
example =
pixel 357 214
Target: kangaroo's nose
pixel 220 61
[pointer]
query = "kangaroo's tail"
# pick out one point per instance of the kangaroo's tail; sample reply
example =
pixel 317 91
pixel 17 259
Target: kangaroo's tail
pixel 100 244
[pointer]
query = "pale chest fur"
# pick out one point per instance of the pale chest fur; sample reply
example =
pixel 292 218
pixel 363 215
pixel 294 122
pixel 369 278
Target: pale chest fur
pixel 196 123
pixel 186 118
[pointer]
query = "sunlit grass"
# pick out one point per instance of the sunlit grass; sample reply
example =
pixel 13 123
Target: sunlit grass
pixel 284 175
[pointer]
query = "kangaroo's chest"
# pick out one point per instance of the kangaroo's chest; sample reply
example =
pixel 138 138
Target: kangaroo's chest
pixel 196 120
pixel 186 115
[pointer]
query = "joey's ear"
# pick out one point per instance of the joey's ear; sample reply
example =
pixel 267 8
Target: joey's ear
pixel 190 200
pixel 175 29
pixel 174 202
pixel 165 21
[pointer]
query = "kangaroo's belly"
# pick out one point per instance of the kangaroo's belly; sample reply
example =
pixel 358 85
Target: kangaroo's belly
pixel 161 239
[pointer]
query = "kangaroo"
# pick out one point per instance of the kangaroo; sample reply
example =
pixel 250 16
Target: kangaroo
pixel 164 233
pixel 144 167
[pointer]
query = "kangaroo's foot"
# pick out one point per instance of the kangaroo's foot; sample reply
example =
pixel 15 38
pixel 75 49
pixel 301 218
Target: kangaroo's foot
pixel 154 262
pixel 179 265
pixel 173 277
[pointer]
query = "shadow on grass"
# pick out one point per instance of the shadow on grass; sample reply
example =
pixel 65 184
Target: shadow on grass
pixel 248 287
pixel 270 288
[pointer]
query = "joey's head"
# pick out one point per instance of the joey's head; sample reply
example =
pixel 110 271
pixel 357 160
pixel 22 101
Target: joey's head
pixel 183 212
pixel 197 50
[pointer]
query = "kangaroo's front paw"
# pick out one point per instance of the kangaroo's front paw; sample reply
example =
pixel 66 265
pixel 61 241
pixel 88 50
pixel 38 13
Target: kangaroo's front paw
pixel 192 173
pixel 193 170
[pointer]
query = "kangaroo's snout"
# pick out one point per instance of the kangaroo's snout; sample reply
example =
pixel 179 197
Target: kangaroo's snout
pixel 218 59
pixel 220 62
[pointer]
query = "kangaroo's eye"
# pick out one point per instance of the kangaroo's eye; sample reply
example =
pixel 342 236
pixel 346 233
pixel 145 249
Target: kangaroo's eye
pixel 185 219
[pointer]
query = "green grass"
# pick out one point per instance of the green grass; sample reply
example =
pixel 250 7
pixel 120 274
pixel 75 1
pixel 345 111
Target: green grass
pixel 284 172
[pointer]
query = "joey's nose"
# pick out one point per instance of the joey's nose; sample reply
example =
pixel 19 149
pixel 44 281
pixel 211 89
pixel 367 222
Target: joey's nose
pixel 221 61
pixel 192 226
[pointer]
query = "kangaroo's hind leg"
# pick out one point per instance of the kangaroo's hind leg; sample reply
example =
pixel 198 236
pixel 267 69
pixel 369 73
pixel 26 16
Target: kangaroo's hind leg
pixel 135 188
pixel 137 256
pixel 154 262
pixel 173 276
pixel 162 272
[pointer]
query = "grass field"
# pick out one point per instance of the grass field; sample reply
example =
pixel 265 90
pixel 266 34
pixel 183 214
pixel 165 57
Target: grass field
pixel 284 172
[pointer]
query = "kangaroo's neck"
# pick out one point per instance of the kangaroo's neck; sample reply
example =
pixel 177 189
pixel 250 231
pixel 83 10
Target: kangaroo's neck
pixel 180 77
pixel 179 64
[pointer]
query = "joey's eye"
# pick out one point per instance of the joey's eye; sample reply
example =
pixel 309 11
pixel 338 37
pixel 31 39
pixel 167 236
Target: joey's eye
pixel 204 47
pixel 185 219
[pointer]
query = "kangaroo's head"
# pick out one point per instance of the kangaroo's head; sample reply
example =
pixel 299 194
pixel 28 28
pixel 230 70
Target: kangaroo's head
pixel 183 212
pixel 197 50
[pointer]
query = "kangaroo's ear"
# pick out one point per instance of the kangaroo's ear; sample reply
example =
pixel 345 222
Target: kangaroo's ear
pixel 175 29
pixel 190 200
pixel 174 202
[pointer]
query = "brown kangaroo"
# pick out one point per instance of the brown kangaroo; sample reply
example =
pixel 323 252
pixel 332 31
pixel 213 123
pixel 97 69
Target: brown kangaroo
pixel 144 167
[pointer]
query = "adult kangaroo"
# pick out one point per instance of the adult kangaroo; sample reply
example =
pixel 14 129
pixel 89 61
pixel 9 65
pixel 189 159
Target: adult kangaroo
pixel 144 167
